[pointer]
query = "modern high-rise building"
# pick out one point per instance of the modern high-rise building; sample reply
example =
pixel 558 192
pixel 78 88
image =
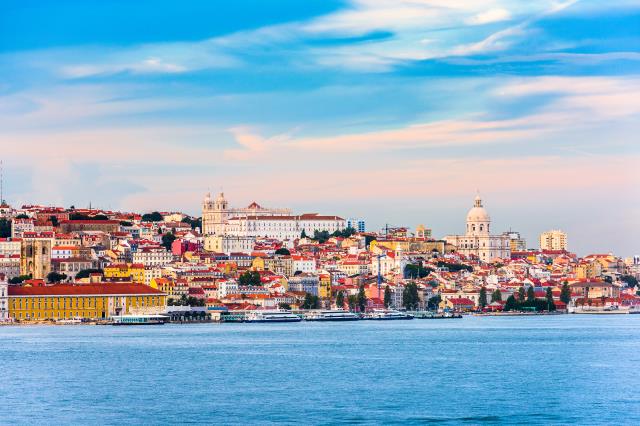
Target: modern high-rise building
pixel 357 224
pixel 553 240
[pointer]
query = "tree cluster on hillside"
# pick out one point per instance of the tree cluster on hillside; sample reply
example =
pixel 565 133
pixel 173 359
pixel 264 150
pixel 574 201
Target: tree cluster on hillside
pixel 630 280
pixel 167 240
pixel 152 217
pixel 195 223
pixel 283 251
pixel 55 277
pixel 86 273
pixel 19 279
pixel 323 236
pixel 81 216
pixel 250 278
pixel 454 267
pixel 416 271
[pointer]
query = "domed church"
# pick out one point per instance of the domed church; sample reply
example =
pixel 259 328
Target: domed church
pixel 478 241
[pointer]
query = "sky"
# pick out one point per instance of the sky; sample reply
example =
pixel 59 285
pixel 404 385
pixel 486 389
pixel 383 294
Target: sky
pixel 396 111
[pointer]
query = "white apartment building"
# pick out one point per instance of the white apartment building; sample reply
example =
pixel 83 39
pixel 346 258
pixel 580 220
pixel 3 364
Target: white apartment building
pixel 10 246
pixel 284 227
pixel 20 226
pixel 229 244
pixel 303 264
pixel 152 256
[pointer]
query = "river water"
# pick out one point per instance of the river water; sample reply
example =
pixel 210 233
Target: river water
pixel 568 369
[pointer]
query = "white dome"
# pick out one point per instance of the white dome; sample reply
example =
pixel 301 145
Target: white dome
pixel 478 213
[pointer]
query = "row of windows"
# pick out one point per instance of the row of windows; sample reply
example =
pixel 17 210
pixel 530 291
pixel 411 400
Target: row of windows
pixel 78 302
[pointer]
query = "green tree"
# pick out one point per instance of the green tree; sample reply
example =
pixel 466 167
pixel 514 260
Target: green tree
pixel 531 294
pixel 630 280
pixel 19 279
pixel 511 304
pixel 416 271
pixel 152 217
pixel 54 221
pixel 283 251
pixel 410 298
pixel 22 216
pixel 167 240
pixel 454 267
pixel 352 300
pixel 387 297
pixel 362 299
pixel 250 278
pixel 54 277
pixel 5 228
pixel 310 302
pixel 126 223
pixel 551 306
pixel 285 306
pixel 482 298
pixel 565 293
pixel 303 234
pixel 85 273
pixel 496 296
pixel 340 299
pixel 521 294
pixel 434 302
pixel 321 236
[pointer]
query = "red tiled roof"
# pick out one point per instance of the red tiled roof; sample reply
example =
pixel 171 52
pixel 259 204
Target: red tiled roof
pixel 83 289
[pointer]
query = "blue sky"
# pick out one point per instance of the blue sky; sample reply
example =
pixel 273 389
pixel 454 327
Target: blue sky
pixel 396 111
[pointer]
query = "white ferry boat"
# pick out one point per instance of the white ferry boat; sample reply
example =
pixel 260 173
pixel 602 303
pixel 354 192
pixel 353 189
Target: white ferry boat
pixel 139 319
pixel 331 315
pixel 388 314
pixel 271 316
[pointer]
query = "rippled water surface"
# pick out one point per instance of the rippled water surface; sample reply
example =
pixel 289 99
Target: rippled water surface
pixel 541 370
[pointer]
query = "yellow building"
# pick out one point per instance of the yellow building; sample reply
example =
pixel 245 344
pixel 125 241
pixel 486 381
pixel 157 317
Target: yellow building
pixel 324 286
pixel 258 264
pixel 588 269
pixel 125 271
pixel 83 301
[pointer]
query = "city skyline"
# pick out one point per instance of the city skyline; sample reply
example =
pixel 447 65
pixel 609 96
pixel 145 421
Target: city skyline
pixel 397 112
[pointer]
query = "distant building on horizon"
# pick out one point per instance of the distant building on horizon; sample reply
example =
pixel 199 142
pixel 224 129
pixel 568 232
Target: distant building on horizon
pixel 516 242
pixel 216 214
pixel 478 240
pixel 553 240
pixel 358 224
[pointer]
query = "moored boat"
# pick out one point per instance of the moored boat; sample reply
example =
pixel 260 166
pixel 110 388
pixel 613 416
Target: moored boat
pixel 139 319
pixel 331 315
pixel 271 316
pixel 388 315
